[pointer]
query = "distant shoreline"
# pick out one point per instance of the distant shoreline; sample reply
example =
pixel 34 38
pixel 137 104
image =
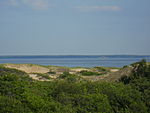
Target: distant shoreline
pixel 81 55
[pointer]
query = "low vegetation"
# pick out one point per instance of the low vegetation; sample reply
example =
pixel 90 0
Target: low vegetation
pixel 89 73
pixel 43 76
pixel 101 69
pixel 72 94
pixel 51 72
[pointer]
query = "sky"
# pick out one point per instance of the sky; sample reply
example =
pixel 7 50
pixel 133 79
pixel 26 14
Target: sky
pixel 74 27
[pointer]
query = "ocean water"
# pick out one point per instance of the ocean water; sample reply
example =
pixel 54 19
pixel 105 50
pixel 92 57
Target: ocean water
pixel 76 60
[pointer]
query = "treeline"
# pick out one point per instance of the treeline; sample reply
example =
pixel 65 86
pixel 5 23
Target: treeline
pixel 71 94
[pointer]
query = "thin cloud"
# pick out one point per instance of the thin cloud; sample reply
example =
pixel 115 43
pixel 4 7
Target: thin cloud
pixel 98 8
pixel 36 4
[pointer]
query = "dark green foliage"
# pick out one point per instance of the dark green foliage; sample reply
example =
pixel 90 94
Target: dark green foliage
pixel 89 73
pixel 140 80
pixel 11 105
pixel 125 66
pixel 140 70
pixel 70 94
pixel 4 70
pixel 51 72
pixel 121 97
pixel 101 69
pixel 76 95
pixel 92 103
pixel 64 75
pixel 70 77
pixel 43 76
pixel 13 82
pixel 22 75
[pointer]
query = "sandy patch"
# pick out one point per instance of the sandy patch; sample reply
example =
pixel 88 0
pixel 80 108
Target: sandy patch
pixel 114 70
pixel 28 68
pixel 35 77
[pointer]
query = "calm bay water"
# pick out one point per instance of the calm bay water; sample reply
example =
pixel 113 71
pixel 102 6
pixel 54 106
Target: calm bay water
pixel 76 60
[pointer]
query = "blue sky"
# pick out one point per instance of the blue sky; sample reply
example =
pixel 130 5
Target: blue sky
pixel 74 27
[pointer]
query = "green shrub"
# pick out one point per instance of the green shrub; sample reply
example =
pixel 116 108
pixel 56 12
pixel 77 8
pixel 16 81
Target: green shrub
pixel 101 69
pixel 71 94
pixel 92 103
pixel 89 73
pixel 43 76
pixel 70 77
pixel 51 72
pixel 11 105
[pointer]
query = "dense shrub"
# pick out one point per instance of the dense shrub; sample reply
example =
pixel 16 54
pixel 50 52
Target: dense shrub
pixel 70 77
pixel 70 94
pixel 43 76
pixel 89 73
pixel 140 80
pixel 101 69
pixel 11 105
pixel 51 72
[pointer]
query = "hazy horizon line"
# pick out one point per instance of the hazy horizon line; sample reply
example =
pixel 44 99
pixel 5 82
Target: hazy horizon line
pixel 82 55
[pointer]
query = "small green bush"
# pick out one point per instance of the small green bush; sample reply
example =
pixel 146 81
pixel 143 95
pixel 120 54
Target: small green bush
pixel 70 77
pixel 102 69
pixel 51 72
pixel 89 73
pixel 45 76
